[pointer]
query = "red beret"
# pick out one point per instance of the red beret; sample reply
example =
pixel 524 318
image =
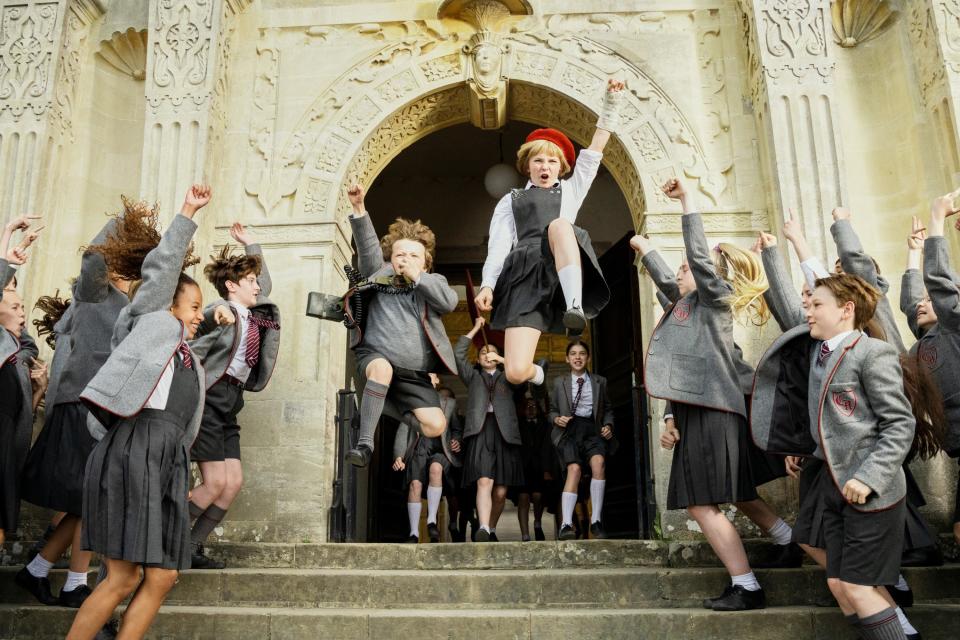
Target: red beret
pixel 557 138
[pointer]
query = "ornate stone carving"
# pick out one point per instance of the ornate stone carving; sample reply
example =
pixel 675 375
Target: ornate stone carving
pixel 483 14
pixel 317 197
pixel 719 223
pixel 398 87
pixel 441 68
pixel 182 34
pixel 27 52
pixel 856 21
pixel 794 38
pixel 126 52
pixel 74 36
pixel 487 73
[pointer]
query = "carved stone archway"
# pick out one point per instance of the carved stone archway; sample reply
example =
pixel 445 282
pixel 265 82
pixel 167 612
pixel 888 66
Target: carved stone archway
pixel 416 85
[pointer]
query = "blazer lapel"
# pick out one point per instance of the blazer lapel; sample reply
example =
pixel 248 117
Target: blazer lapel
pixel 566 393
pixel 595 389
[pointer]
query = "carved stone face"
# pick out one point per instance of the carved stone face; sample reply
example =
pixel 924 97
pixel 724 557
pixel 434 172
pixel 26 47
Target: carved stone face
pixel 486 66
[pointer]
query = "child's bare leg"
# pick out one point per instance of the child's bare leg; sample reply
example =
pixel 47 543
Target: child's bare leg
pixel 484 501
pixel 214 474
pixel 122 578
pixel 499 500
pixel 432 421
pixel 141 611
pixel 566 256
pixel 723 538
pixel 519 347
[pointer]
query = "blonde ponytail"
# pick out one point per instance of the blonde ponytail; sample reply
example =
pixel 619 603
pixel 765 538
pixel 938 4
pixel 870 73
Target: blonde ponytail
pixel 742 269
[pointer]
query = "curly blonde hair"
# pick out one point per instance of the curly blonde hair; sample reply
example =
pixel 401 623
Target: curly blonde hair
pixel 137 233
pixel 404 229
pixel 535 147
pixel 744 272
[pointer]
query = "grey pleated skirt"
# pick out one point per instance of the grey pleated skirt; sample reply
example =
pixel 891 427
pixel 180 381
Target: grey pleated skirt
pixel 490 456
pixel 135 493
pixel 711 462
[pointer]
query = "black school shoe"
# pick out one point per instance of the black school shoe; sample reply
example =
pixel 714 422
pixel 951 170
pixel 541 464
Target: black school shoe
pixel 359 457
pixel 413 539
pixel 708 602
pixel 433 531
pixel 739 599
pixel 574 321
pixel 74 599
pixel 903 599
pixel 493 537
pixel 199 560
pixel 566 533
pixel 39 588
pixel 597 532
pixel 790 556
pixel 538 534
pixel 482 536
pixel 456 535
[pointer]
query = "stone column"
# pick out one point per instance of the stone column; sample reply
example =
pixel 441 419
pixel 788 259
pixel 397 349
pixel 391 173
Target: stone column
pixel 184 54
pixel 40 59
pixel 791 64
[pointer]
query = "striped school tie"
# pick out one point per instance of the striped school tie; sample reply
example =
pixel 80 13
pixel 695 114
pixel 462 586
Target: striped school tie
pixel 185 355
pixel 825 352
pixel 254 323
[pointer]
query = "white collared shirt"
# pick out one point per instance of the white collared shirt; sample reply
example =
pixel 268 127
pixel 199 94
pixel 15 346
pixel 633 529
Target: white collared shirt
pixel 835 341
pixel 503 228
pixel 238 366
pixel 158 399
pixel 585 408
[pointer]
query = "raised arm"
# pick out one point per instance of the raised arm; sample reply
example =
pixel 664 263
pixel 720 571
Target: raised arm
pixel 436 292
pixel 781 296
pixel 853 258
pixel 911 284
pixel 712 289
pixel 13 257
pixel 937 274
pixel 657 268
pixel 162 266
pixel 369 253
pixel 239 233
pixel 609 120
pixel 464 368
pixel 93 283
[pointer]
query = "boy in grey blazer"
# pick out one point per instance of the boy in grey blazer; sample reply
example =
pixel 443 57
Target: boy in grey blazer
pixel 582 420
pixel 404 339
pixel 237 342
pixel 430 461
pixel 854 419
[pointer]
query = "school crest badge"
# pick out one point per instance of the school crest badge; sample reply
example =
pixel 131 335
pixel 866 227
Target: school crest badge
pixel 928 355
pixel 681 310
pixel 845 402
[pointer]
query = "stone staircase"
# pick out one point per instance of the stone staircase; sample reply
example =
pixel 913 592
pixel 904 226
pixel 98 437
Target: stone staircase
pixel 596 589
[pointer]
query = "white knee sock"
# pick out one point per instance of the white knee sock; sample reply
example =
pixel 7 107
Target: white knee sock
pixel 907 627
pixel 413 512
pixel 781 532
pixel 39 567
pixel 568 502
pixel 74 580
pixel 901 584
pixel 596 499
pixel 538 375
pixel 433 503
pixel 571 281
pixel 748 581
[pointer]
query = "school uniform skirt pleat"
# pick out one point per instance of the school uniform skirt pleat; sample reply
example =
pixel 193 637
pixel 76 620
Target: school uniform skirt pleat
pixel 490 456
pixel 135 493
pixel 712 461
pixel 53 474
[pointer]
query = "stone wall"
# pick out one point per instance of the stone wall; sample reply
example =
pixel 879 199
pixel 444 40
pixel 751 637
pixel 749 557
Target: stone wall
pixel 280 102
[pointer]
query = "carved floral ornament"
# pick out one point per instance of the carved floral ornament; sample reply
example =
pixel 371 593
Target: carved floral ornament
pixel 344 133
pixel 857 21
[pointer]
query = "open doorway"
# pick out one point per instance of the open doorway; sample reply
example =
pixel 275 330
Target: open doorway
pixel 440 180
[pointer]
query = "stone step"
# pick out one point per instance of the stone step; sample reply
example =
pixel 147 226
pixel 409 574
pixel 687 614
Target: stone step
pixel 936 622
pixel 608 588
pixel 503 555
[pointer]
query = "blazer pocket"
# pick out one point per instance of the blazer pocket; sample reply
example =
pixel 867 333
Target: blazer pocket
pixel 115 374
pixel 844 403
pixel 687 373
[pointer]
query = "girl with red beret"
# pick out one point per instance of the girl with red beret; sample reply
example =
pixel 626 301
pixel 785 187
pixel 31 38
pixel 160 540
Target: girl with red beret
pixel 543 268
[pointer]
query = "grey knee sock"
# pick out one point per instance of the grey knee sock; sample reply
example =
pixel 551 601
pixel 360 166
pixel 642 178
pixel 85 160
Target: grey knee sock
pixel 854 622
pixel 208 521
pixel 195 510
pixel 374 395
pixel 882 626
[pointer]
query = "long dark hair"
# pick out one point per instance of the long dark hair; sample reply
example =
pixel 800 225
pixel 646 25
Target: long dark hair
pixel 53 308
pixel 926 403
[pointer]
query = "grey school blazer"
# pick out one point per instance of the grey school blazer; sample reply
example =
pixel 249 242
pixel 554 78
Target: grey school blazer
pixel 146 338
pixel 856 262
pixel 864 422
pixel 561 400
pixel 217 345
pixel 407 438
pixel 938 348
pixel 61 353
pixel 691 357
pixel 432 291
pixel 504 407
pixel 24 421
pixel 781 295
pixel 95 307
